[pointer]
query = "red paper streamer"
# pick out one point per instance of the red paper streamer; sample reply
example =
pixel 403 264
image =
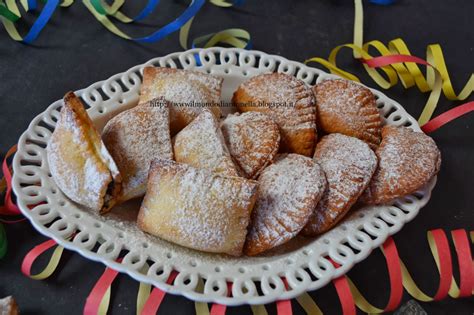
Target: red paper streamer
pixel 156 297
pixel 284 306
pixel 220 309
pixel 95 297
pixel 383 61
pixel 395 274
pixel 445 264
pixel 466 268
pixel 448 116
pixel 9 207
pixel 345 296
pixel 33 254
pixel 12 221
pixel 438 121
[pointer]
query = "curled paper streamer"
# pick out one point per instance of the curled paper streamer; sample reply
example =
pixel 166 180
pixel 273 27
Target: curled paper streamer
pixel 382 2
pixel 396 288
pixel 46 13
pixel 219 309
pixel 399 274
pixel 172 27
pixel 284 306
pixel 101 10
pixel 114 10
pixel 350 297
pixel 308 304
pixel 234 37
pixel 226 4
pixel 9 207
pixel 156 296
pixel 448 116
pixel 9 15
pixel 97 303
pixel 35 253
pixel 344 293
pixel 143 292
pixel 396 63
pixel 201 308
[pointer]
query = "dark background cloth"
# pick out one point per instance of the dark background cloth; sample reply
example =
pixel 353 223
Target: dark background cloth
pixel 75 51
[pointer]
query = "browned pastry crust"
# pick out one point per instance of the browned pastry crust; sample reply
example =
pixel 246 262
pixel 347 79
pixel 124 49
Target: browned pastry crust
pixel 348 108
pixel 196 208
pixel 253 140
pixel 289 102
pixel 79 161
pixel 8 306
pixel 201 144
pixel 187 91
pixel 407 161
pixel 349 164
pixel 134 138
pixel 288 191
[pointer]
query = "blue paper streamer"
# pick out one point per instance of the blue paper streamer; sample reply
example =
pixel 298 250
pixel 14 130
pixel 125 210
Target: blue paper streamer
pixel 151 5
pixel 32 5
pixel 382 2
pixel 172 27
pixel 41 21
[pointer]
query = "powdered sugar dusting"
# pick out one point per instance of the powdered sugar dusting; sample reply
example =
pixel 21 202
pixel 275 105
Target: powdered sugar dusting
pixel 407 161
pixel 7 306
pixel 288 192
pixel 77 160
pixel 136 137
pixel 297 114
pixel 181 88
pixel 196 208
pixel 348 108
pixel 349 164
pixel 253 140
pixel 201 144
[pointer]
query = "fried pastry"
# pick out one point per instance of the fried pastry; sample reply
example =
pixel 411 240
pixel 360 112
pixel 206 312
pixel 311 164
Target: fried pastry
pixel 8 306
pixel 349 164
pixel 288 191
pixel 289 102
pixel 407 161
pixel 78 160
pixel 196 208
pixel 202 145
pixel 187 91
pixel 252 139
pixel 134 138
pixel 348 108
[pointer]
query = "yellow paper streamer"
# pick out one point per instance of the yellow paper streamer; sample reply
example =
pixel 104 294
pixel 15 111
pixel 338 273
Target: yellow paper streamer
pixel 12 6
pixel 144 291
pixel 259 310
pixel 201 307
pixel 436 79
pixel 142 296
pixel 408 283
pixel 52 265
pixel 104 304
pixel 234 37
pixel 308 304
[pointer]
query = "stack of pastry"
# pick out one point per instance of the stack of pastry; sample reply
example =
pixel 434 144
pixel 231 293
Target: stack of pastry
pixel 244 183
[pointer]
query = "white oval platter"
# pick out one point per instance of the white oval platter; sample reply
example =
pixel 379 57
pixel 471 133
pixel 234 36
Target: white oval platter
pixel 304 263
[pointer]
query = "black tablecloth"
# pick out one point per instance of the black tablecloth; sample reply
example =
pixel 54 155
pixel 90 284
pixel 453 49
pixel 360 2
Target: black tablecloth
pixel 75 50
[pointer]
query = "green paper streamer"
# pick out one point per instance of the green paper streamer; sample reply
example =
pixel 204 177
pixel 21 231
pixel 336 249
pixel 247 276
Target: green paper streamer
pixel 8 14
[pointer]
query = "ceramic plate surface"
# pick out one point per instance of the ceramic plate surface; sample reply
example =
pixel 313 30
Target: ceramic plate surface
pixel 257 280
